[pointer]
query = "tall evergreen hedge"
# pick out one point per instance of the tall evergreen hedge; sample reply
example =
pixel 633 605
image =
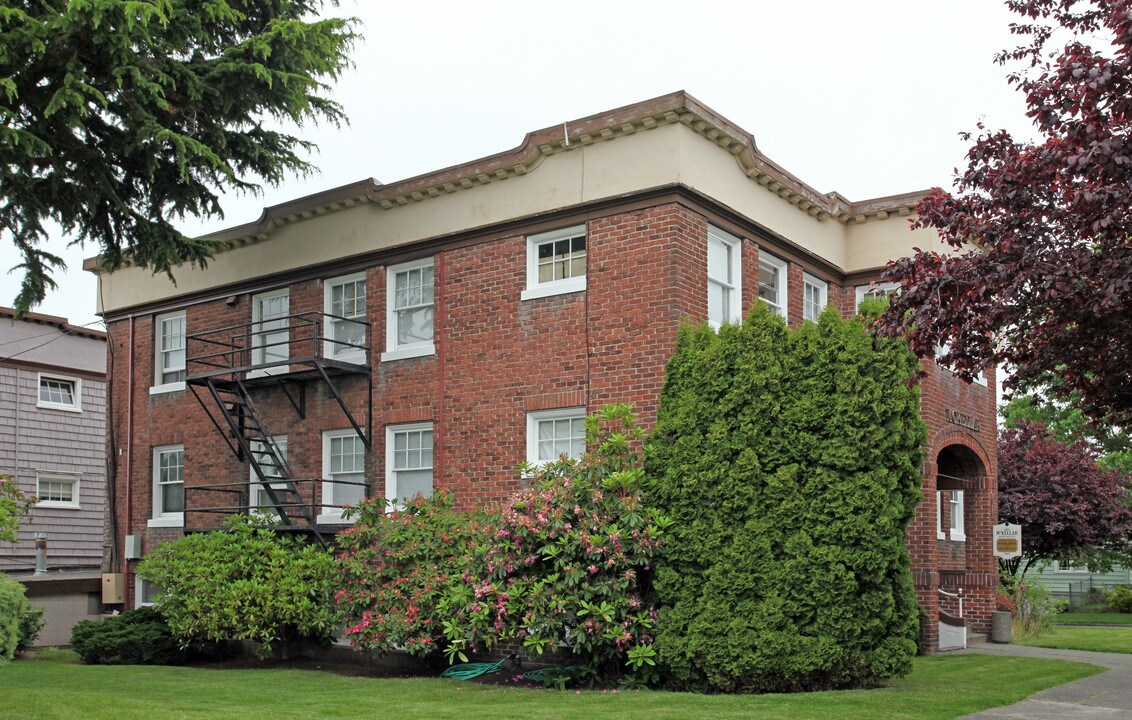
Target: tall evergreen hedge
pixel 789 462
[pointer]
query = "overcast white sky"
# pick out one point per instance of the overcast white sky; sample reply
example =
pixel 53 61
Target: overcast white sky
pixel 865 98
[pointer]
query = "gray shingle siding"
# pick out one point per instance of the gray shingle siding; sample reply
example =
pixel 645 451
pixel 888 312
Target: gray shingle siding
pixel 43 440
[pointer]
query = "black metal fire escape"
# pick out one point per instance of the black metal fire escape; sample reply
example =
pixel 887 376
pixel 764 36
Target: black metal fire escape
pixel 225 366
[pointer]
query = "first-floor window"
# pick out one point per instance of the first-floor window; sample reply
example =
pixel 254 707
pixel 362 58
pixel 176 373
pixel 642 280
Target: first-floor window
pixel 554 433
pixel 772 282
pixel 168 485
pixel 814 297
pixel 57 490
pixel 724 290
pixel 344 469
pixel 269 463
pixel 145 592
pixel 408 461
pixel 950 515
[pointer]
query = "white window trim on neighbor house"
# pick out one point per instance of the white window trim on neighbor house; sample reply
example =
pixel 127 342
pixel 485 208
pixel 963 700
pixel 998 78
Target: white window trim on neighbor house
pixel 76 386
pixel 729 281
pixel 536 289
pixel 393 349
pixel 335 350
pixel 258 352
pixel 875 289
pixel 812 306
pixel 161 353
pixel 67 481
pixel 166 519
pixel 533 420
pixel 779 305
pixel 955 530
pixel 391 432
pixel 330 512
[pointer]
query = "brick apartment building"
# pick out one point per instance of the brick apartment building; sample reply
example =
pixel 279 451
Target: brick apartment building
pixel 436 331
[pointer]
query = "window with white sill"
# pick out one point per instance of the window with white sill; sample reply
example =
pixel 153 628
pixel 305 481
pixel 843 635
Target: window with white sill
pixel 556 262
pixel 169 352
pixel 554 433
pixel 57 490
pixel 772 282
pixel 168 486
pixel 343 472
pixel 57 392
pixel 815 296
pixel 345 308
pixel 410 310
pixel 724 278
pixel 950 515
pixel 271 331
pixel 408 462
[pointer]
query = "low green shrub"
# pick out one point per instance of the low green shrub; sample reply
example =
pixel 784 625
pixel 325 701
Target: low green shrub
pixel 135 637
pixel 245 583
pixel 1119 599
pixel 20 621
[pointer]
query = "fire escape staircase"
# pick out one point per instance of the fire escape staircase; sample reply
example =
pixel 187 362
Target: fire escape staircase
pixel 224 367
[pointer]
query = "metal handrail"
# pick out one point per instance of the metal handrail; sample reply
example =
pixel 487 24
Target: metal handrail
pixel 954 595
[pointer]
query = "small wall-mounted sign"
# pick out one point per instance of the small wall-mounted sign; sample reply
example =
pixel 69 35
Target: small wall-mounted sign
pixel 1007 541
pixel 962 419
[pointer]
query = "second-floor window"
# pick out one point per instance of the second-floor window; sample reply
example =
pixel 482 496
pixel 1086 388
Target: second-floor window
pixel 724 291
pixel 410 310
pixel 60 393
pixel 556 262
pixel 346 311
pixel 169 341
pixel 270 330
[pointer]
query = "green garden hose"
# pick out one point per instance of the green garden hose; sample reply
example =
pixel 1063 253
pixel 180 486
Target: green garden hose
pixel 467 671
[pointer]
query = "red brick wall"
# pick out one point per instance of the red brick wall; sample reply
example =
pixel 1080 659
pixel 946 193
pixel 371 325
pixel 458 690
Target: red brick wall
pixel 499 357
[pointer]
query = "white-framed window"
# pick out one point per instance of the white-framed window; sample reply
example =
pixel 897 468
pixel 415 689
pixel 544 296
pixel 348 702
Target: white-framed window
pixel 145 592
pixel 724 277
pixel 57 490
pixel 950 504
pixel 258 498
pixel 343 464
pixel 1069 565
pixel 409 302
pixel 168 486
pixel 815 296
pixel 270 331
pixel 553 433
pixel 57 392
pixel 408 461
pixel 169 352
pixel 943 349
pixel 556 262
pixel 874 290
pixel 345 307
pixel 772 282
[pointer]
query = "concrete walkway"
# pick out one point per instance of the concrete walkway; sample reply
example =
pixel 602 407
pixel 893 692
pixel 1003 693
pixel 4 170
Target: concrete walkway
pixel 1105 696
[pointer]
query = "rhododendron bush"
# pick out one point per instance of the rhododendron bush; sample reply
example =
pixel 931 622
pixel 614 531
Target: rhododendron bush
pixel 564 564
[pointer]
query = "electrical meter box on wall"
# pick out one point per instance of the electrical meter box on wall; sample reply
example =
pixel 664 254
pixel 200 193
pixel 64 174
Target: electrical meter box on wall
pixel 113 588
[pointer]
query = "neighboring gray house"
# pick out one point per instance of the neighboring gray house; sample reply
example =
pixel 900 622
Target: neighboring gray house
pixel 53 440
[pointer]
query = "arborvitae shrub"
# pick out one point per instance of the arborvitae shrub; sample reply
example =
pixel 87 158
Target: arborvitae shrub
pixel 135 637
pixel 20 621
pixel 789 464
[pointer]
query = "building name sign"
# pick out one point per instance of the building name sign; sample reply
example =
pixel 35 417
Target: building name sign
pixel 962 419
pixel 1007 541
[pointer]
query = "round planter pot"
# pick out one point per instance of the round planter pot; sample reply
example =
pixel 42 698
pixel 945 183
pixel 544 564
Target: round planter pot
pixel 1000 622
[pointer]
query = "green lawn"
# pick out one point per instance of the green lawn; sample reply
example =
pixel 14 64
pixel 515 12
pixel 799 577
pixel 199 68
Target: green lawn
pixel 1100 618
pixel 53 688
pixel 1099 639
